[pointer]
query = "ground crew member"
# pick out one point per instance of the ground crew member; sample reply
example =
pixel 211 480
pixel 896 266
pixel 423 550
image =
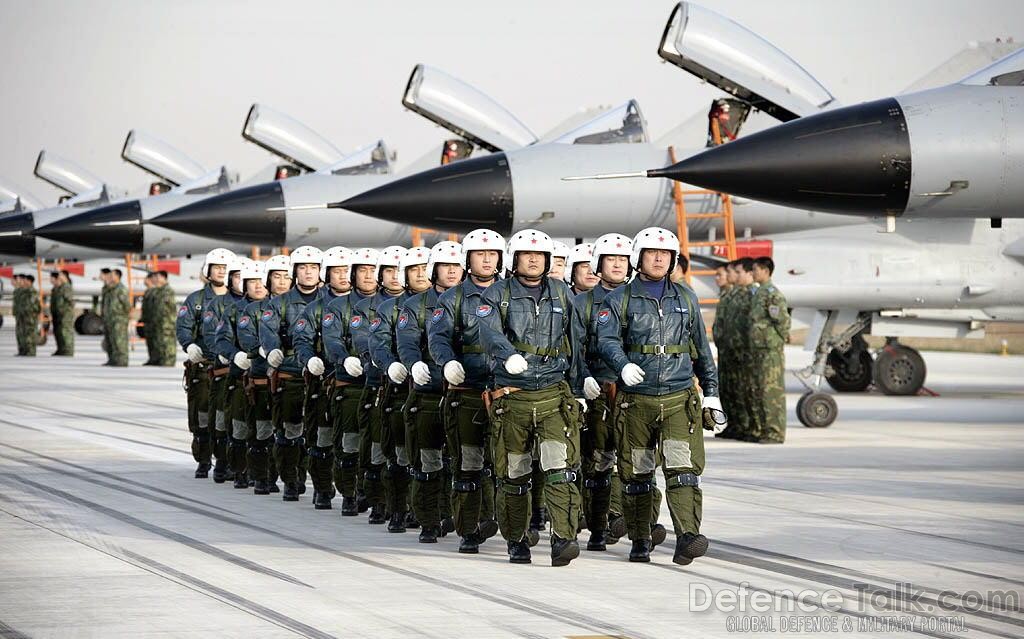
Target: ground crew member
pixel 412 277
pixel 742 355
pixel 425 435
pixel 115 309
pixel 62 313
pixel 26 316
pixel 277 281
pixel 281 318
pixel 220 372
pixel 725 278
pixel 769 332
pixel 525 323
pixel 651 331
pixel 346 395
pixel 578 274
pixel 195 331
pixel 160 328
pixel 239 413
pixel 309 348
pixel 371 455
pixel 455 346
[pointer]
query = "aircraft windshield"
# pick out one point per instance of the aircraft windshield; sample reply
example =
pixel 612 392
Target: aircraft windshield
pixel 159 158
pixel 740 62
pixel 464 110
pixel 370 159
pixel 289 139
pixel 12 195
pixel 65 174
pixel 622 125
pixel 1007 71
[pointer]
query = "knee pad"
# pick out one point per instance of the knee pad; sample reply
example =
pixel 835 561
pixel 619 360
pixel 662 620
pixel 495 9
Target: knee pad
pixel 472 457
pixel 633 488
pixel 431 460
pixel 563 476
pixel 553 454
pixel 293 431
pixel 682 480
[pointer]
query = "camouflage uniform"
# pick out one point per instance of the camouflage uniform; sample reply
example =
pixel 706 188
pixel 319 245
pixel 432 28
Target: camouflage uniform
pixel 769 332
pixel 26 316
pixel 115 310
pixel 727 359
pixel 62 318
pixel 146 317
pixel 742 360
pixel 160 326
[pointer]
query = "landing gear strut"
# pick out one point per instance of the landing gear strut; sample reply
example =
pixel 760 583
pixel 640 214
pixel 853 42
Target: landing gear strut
pixel 849 369
pixel 816 409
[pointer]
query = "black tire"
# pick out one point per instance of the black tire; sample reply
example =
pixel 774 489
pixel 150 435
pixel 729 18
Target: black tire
pixel 899 370
pixel 78 324
pixel 816 410
pixel 852 371
pixel 92 324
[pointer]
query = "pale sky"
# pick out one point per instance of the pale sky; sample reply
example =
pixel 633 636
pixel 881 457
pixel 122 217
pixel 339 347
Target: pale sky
pixel 77 75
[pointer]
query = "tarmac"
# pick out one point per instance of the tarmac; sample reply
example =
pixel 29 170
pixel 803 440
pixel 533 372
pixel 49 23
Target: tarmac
pixel 903 518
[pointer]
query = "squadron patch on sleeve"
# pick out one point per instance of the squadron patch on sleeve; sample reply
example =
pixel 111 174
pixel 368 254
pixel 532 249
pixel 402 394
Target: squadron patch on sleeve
pixel 403 320
pixel 438 314
pixel 374 324
pixel 773 311
pixel 357 321
pixel 603 316
pixel 242 323
pixel 327 320
pixel 267 314
pixel 207 317
pixel 484 310
pixel 300 325
pixel 182 311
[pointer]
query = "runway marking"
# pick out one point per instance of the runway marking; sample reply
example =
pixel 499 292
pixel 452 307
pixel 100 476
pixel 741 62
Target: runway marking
pixel 99 418
pixel 99 434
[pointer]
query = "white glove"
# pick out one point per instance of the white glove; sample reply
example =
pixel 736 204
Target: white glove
pixel 315 366
pixel 242 360
pixel 583 404
pixel 591 389
pixel 454 373
pixel 222 359
pixel 398 372
pixel 275 357
pixel 421 373
pixel 632 374
pixel 195 353
pixel 516 364
pixel 353 366
pixel 712 415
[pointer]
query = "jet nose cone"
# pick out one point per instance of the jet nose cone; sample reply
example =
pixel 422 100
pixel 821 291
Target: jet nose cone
pixel 240 215
pixel 116 227
pixel 457 197
pixel 16 235
pixel 854 160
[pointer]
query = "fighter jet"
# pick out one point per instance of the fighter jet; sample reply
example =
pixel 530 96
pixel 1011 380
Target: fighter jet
pixel 290 212
pixel 952 151
pixel 17 200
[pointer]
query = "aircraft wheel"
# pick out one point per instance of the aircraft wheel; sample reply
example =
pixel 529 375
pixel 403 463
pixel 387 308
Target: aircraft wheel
pixel 816 410
pixel 852 371
pixel 92 324
pixel 899 370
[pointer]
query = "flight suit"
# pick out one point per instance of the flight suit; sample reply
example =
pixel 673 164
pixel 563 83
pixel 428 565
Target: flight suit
pixel 191 316
pixel 258 460
pixel 238 413
pixel 659 418
pixel 769 332
pixel 220 420
pixel 280 320
pixel 115 310
pixel 453 334
pixel 62 318
pixel 536 407
pixel 389 443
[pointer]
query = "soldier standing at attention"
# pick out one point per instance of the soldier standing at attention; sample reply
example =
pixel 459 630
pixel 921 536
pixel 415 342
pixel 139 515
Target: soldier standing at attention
pixel 26 315
pixel 62 313
pixel 741 352
pixel 769 332
pixel 652 333
pixel 146 318
pixel 192 327
pixel 220 419
pixel 115 309
pixel 162 320
pixel 725 278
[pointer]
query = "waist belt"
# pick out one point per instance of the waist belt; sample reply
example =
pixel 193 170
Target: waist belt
pixel 259 381
pixel 534 350
pixel 340 382
pixel 658 349
pixel 498 393
pixel 217 372
pixel 287 375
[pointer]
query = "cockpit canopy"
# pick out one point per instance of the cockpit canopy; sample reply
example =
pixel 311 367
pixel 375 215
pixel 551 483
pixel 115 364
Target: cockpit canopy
pixel 1007 71
pixel 65 174
pixel 289 139
pixel 623 124
pixel 153 155
pixel 370 159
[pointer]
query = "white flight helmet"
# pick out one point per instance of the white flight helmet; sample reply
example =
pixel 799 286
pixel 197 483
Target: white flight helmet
pixel 654 237
pixel 561 249
pixel 446 252
pixel 253 270
pixel 483 240
pixel 305 255
pixel 240 264
pixel 531 240
pixel 276 263
pixel 579 253
pixel 390 256
pixel 609 244
pixel 412 257
pixel 365 256
pixel 217 256
pixel 334 256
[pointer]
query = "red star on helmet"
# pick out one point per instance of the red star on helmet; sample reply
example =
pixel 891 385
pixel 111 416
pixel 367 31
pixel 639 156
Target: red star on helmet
pixel 661 239
pixel 618 245
pixel 484 238
pixel 533 241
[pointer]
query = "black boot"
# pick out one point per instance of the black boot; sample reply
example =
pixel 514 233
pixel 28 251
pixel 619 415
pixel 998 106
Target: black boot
pixel 241 480
pixel 487 529
pixel 641 551
pixel 447 526
pixel 291 492
pixel 348 507
pixel 658 534
pixel 362 503
pixel 377 515
pixel 273 487
pixel 262 487
pixel 397 523
pixel 563 550
pixel 519 552
pixel 411 522
pixel 202 470
pixel 597 540
pixel 470 544
pixel 322 500
pixel 429 535
pixel 688 547
pixel 616 527
pixel 220 471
